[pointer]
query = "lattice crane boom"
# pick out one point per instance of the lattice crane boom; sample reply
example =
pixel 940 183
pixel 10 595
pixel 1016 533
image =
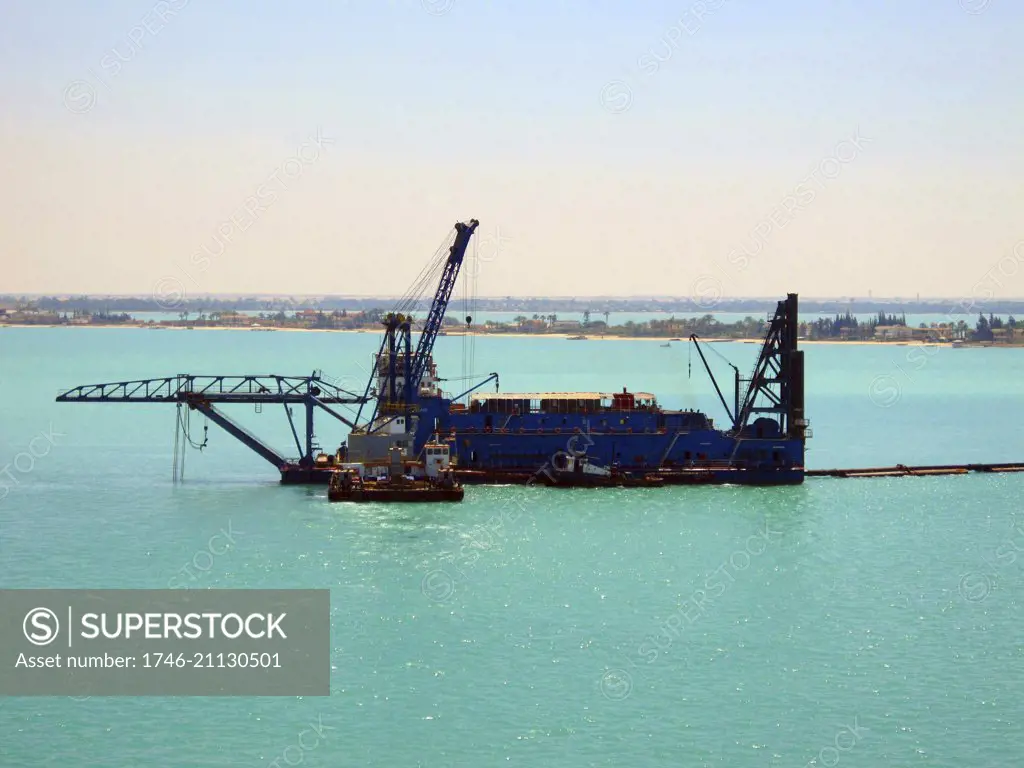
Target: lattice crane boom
pixel 464 231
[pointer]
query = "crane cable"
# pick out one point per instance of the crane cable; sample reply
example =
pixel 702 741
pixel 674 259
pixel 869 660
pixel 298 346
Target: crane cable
pixel 723 357
pixel 177 435
pixel 689 364
pixel 474 277
pixel 414 294
pixel 469 277
pixel 185 426
pixel 465 314
pixel 417 286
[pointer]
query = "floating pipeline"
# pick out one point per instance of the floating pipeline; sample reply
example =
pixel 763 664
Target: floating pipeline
pixel 901 470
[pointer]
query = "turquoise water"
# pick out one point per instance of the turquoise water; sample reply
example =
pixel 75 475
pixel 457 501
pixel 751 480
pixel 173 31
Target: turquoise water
pixel 859 622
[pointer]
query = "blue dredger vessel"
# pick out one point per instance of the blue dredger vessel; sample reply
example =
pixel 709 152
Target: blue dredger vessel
pixel 509 437
pixel 501 437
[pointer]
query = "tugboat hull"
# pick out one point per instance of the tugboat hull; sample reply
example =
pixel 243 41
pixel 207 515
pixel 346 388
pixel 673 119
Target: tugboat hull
pixel 435 483
pixel 389 495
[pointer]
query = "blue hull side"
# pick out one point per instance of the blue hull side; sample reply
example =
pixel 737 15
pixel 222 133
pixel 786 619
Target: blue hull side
pixel 636 440
pixel 631 451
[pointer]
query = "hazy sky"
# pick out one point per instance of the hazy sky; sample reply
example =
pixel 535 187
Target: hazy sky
pixel 736 147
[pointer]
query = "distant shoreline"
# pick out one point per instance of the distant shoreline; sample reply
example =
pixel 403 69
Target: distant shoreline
pixel 525 305
pixel 662 339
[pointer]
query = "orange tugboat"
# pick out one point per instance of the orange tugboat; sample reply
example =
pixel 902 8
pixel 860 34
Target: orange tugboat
pixel 399 479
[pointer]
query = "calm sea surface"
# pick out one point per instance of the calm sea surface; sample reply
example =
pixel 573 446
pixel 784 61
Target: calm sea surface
pixel 852 623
